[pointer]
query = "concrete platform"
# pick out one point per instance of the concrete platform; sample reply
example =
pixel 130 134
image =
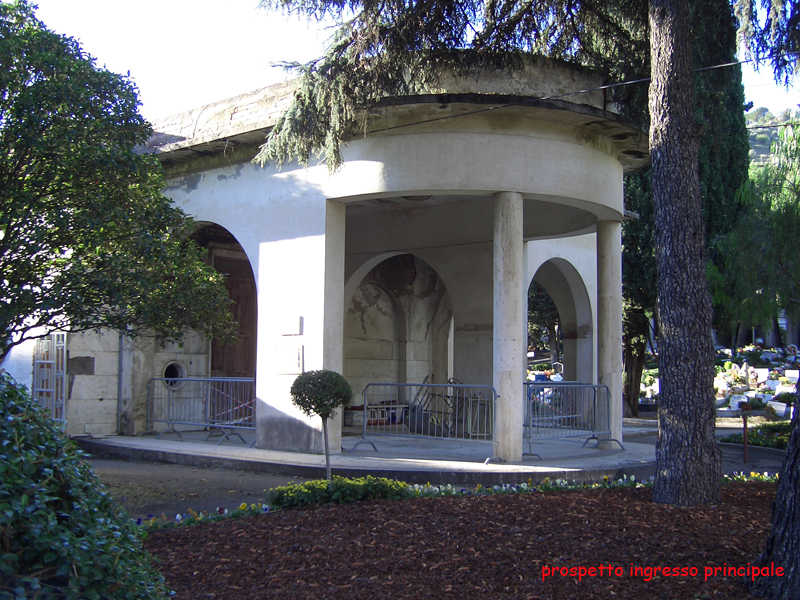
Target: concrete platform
pixel 416 460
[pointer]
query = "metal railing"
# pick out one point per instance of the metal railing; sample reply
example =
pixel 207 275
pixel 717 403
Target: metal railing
pixel 220 405
pixel 440 411
pixel 566 409
pixel 50 374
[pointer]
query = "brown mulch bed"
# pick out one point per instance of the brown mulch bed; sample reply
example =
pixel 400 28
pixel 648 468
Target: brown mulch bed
pixel 466 547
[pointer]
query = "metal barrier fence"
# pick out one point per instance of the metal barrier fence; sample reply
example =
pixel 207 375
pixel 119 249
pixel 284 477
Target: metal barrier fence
pixel 216 404
pixel 566 409
pixel 441 411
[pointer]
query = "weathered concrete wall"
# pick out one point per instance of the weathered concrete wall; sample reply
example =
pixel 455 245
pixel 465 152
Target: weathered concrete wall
pixel 397 326
pixel 93 371
pixel 374 344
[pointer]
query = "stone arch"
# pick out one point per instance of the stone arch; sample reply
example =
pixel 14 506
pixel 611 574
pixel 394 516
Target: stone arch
pixel 566 287
pixel 227 256
pixel 397 323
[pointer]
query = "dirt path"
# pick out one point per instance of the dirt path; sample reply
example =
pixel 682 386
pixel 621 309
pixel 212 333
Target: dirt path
pixel 148 488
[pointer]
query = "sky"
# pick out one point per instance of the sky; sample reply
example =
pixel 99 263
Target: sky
pixel 183 54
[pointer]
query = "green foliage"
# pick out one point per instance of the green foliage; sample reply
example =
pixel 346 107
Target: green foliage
pixel 61 535
pixel 764 130
pixel 340 491
pixel 543 318
pixel 395 48
pixel 649 376
pixel 542 311
pixel 768 435
pixel 321 393
pixel 87 239
pixel 719 99
pixel 764 248
pixel 401 48
pixel 784 397
pixel 754 359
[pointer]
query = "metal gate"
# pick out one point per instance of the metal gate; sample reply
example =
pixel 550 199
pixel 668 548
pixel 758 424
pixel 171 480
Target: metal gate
pixel 50 374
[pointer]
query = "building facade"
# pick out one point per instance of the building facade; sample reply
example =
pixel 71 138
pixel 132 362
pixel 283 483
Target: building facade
pixel 411 261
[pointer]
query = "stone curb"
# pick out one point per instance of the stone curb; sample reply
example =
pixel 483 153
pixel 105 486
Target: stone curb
pixel 99 449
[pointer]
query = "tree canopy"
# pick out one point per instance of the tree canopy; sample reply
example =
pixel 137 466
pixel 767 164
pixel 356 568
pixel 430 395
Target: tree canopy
pixel 719 101
pixel 764 248
pixel 543 318
pixel 395 48
pixel 87 239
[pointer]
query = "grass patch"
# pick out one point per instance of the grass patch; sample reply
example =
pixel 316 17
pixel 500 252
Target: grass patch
pixel 768 435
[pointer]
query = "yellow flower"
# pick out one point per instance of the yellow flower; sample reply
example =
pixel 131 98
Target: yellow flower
pixel 546 480
pixel 243 506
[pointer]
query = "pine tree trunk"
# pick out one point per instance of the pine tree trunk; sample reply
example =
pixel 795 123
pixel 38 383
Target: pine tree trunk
pixel 783 544
pixel 552 333
pixel 688 462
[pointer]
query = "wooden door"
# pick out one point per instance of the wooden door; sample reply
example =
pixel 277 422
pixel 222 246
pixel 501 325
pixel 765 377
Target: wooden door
pixel 237 360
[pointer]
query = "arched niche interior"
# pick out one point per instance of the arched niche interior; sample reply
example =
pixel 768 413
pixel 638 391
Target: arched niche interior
pixel 398 326
pixel 566 287
pixel 226 255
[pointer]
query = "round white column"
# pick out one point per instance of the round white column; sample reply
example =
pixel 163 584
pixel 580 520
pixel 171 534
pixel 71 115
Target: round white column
pixel 508 325
pixel 609 323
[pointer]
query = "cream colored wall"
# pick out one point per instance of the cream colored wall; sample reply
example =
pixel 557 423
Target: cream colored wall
pixel 482 156
pixel 92 398
pixel 278 217
pixel 92 405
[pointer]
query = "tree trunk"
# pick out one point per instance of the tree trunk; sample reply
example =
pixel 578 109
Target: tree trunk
pixel 633 365
pixel 783 544
pixel 735 339
pixel 688 462
pixel 777 339
pixel 552 333
pixel 741 337
pixel 327 454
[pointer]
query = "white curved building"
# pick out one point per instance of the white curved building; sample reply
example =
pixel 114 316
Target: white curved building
pixel 414 259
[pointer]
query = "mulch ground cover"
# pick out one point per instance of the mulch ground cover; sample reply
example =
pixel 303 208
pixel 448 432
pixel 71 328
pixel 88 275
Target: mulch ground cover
pixel 538 545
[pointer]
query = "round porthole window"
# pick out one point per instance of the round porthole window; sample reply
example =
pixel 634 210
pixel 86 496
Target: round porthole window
pixel 173 373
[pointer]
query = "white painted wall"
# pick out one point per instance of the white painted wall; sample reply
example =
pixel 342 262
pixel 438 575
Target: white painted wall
pixel 19 363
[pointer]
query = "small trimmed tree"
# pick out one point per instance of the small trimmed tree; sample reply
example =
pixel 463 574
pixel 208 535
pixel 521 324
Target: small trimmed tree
pixel 321 393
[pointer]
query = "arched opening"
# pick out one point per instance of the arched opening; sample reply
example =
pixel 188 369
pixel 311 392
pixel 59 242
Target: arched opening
pixel 564 285
pixel 226 255
pixel 544 330
pixel 398 326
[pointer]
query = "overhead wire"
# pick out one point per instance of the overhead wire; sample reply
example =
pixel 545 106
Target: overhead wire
pixel 565 94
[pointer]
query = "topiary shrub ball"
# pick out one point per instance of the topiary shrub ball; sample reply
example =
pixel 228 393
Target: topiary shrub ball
pixel 62 535
pixel 321 392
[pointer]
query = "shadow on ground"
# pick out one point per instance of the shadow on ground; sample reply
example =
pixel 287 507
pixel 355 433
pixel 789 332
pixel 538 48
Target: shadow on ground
pixel 148 488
